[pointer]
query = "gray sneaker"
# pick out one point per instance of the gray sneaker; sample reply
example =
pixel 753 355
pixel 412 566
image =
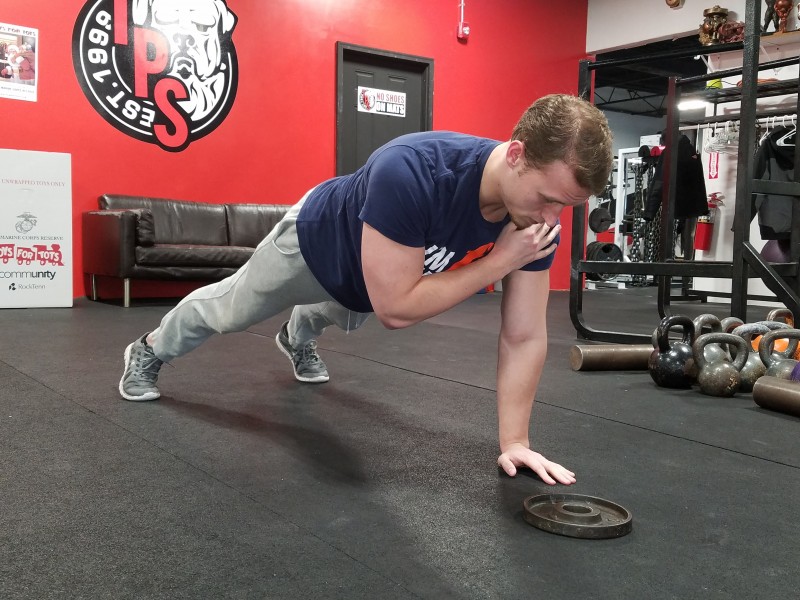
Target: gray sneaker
pixel 138 382
pixel 308 366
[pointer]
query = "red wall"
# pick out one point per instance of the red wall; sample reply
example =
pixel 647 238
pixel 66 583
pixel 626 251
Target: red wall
pixel 279 138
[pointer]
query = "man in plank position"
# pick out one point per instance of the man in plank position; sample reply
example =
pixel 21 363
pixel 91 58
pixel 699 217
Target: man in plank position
pixel 428 221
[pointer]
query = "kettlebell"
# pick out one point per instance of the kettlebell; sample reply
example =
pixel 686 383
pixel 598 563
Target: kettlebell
pixel 720 378
pixel 730 323
pixel 777 365
pixel 784 316
pixel 708 323
pixel 754 367
pixel 672 365
pixel 781 314
pixel 781 348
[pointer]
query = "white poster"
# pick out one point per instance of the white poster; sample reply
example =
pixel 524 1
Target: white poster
pixel 381 102
pixel 19 62
pixel 35 229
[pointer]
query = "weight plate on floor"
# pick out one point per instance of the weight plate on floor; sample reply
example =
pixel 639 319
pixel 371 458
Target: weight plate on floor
pixel 578 516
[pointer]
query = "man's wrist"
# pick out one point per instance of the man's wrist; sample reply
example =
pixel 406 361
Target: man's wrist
pixel 505 446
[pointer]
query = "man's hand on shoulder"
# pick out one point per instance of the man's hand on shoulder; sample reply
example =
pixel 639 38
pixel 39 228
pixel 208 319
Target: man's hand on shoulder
pixel 517 455
pixel 518 247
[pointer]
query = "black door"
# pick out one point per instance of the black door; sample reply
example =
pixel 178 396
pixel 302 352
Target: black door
pixel 381 95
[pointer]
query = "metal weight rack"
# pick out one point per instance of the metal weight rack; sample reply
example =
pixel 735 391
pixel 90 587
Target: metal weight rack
pixel 780 278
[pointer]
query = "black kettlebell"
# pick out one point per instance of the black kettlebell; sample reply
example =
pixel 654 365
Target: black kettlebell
pixel 777 365
pixel 672 365
pixel 720 378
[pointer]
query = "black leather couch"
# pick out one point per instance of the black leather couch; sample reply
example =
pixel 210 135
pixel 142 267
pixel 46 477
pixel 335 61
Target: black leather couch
pixel 134 237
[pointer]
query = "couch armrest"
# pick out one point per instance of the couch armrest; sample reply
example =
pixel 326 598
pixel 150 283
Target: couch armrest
pixel 109 242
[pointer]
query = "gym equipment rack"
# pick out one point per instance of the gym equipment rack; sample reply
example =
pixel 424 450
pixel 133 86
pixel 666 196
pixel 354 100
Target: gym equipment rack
pixel 780 278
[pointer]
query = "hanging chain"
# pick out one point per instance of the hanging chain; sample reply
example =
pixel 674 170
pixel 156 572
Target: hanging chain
pixel 652 237
pixel 652 241
pixel 638 230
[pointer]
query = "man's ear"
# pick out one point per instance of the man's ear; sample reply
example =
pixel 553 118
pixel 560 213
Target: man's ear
pixel 515 153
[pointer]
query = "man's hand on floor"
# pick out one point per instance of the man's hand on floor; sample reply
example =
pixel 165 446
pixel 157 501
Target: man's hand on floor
pixel 518 455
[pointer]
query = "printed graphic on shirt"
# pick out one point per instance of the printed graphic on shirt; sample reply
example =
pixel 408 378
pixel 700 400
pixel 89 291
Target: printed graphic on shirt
pixel 161 71
pixel 438 259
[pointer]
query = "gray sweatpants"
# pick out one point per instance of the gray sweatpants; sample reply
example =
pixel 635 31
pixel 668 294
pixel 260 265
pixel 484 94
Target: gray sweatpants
pixel 275 278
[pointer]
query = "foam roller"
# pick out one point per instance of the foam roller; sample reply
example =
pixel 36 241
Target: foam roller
pixel 781 395
pixel 612 357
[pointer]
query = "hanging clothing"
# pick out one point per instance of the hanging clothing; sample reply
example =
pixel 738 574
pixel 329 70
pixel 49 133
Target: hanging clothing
pixel 775 162
pixel 690 184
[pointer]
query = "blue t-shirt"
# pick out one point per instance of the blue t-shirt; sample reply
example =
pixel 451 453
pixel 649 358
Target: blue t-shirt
pixel 419 190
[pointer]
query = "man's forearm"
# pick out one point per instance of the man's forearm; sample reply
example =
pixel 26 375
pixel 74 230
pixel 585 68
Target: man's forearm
pixel 519 368
pixel 401 296
pixel 436 293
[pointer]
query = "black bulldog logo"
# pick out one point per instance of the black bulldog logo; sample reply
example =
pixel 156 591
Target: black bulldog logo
pixel 161 71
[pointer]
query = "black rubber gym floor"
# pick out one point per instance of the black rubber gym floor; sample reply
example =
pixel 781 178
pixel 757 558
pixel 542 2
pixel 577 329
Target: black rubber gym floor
pixel 243 483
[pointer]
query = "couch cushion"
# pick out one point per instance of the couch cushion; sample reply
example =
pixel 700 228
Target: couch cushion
pixel 177 221
pixel 248 224
pixel 192 255
pixel 145 228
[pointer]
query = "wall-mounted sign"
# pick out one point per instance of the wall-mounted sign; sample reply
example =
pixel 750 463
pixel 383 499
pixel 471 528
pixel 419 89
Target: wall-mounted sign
pixel 381 102
pixel 161 71
pixel 713 165
pixel 35 229
pixel 18 62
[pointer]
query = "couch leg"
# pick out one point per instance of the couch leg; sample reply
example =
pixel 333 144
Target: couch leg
pixel 94 287
pixel 126 301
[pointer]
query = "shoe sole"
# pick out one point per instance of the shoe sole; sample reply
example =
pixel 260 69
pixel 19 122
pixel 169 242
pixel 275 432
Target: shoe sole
pixel 315 379
pixel 144 397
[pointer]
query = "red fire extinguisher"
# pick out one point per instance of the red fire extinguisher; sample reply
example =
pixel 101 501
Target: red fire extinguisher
pixel 705 223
